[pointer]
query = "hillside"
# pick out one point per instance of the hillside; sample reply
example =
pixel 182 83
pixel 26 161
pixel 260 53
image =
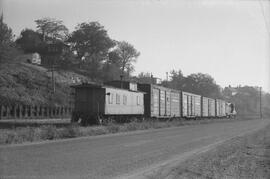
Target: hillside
pixel 28 84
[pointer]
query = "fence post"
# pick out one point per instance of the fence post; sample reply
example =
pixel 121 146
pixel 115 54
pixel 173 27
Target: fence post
pixel 17 115
pixel 70 111
pixel 43 111
pixel 58 112
pixel 22 111
pixel 16 111
pixel 54 112
pixel 1 112
pixel 39 112
pixel 50 112
pixel 61 112
pixel 46 111
pixel 8 112
pixel 25 111
pixel 66 111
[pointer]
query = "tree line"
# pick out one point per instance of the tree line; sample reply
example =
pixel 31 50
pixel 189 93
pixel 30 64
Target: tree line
pixel 91 51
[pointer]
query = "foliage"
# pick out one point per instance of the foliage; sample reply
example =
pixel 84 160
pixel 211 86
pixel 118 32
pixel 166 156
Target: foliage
pixel 202 84
pixel 7 49
pixel 89 39
pixel 177 79
pixel 30 41
pixel 51 28
pixel 126 55
pixel 6 35
pixel 246 99
pixel 145 78
pixel 52 132
pixel 111 70
pixel 27 84
pixel 198 83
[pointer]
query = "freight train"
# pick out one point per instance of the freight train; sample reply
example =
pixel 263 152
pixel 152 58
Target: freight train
pixel 124 100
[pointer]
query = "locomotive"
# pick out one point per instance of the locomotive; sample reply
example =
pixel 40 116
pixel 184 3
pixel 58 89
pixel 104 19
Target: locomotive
pixel 125 100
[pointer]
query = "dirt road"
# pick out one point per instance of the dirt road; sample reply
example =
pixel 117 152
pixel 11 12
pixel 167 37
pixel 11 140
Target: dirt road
pixel 120 155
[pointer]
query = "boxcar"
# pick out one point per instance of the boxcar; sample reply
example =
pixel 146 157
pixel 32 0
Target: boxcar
pixel 176 103
pixel 220 108
pixel 205 107
pixel 211 107
pixel 94 102
pixel 191 105
pixel 160 102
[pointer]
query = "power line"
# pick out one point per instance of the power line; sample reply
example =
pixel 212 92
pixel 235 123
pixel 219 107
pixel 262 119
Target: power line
pixel 264 17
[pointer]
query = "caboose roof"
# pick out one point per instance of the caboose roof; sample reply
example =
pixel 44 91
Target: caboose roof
pixel 87 85
pixel 94 85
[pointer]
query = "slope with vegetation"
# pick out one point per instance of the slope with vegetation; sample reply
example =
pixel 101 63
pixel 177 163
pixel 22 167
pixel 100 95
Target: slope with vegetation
pixel 27 84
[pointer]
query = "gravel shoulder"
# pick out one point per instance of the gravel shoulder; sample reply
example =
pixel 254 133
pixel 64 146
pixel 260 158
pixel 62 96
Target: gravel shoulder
pixel 245 156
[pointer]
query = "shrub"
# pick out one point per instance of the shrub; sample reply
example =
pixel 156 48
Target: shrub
pixel 70 131
pixel 28 134
pixel 49 132
pixel 113 128
pixel 133 126
pixel 97 131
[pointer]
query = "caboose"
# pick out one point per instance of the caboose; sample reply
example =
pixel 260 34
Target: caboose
pixel 96 104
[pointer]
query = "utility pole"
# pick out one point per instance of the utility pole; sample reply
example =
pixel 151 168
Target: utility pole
pixel 53 80
pixel 121 80
pixel 167 79
pixel 261 102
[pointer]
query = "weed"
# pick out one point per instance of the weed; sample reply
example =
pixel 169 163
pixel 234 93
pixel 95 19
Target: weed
pixel 49 132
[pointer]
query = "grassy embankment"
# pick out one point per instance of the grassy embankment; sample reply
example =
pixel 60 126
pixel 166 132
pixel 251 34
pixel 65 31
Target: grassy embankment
pixel 53 132
pixel 241 157
pixel 27 84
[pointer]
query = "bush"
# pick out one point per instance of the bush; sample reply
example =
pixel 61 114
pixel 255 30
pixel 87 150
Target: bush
pixel 27 134
pixel 113 128
pixel 96 131
pixel 133 126
pixel 49 132
pixel 70 131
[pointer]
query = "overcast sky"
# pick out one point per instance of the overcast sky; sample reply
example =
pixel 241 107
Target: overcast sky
pixel 227 39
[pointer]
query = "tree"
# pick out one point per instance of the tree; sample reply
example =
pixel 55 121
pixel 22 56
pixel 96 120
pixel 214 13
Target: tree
pixel 127 56
pixel 7 50
pixel 111 68
pixel 89 39
pixel 6 35
pixel 30 41
pixel 177 79
pixel 51 28
pixel 202 84
pixel 145 78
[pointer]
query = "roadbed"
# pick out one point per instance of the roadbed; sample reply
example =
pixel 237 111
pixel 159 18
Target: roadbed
pixel 246 156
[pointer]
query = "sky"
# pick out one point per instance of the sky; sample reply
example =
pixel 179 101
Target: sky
pixel 228 39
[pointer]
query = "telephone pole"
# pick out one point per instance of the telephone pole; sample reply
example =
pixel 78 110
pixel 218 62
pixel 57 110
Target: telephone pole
pixel 261 102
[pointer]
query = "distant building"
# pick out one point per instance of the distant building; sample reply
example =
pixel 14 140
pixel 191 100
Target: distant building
pixel 52 53
pixel 33 58
pixel 230 91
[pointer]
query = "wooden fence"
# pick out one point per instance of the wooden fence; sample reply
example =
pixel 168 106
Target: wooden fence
pixel 34 112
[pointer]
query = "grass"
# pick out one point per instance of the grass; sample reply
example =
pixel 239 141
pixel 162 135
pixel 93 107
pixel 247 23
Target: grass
pixel 20 134
pixel 27 84
pixel 242 157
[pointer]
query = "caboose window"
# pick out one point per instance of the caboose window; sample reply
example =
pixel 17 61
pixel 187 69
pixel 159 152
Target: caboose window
pixel 111 98
pixel 124 99
pixel 138 100
pixel 117 99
